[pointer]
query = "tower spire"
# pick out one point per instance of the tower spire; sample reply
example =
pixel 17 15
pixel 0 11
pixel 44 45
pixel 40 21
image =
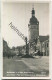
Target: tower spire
pixel 33 6
pixel 33 11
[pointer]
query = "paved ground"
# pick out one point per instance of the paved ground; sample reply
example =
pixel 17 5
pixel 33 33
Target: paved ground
pixel 38 65
pixel 25 67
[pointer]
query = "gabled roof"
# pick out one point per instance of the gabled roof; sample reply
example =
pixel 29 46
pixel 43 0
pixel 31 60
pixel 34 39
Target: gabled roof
pixel 43 38
pixel 4 42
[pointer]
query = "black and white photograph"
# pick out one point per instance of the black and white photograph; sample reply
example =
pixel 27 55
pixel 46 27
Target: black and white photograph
pixel 25 33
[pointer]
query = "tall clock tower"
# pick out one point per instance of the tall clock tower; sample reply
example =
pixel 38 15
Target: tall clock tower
pixel 33 27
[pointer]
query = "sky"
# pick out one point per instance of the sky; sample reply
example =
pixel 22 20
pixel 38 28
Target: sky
pixel 19 14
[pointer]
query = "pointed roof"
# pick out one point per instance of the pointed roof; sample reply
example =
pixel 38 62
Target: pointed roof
pixel 33 19
pixel 43 38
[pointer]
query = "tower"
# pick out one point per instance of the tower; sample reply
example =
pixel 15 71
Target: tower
pixel 33 27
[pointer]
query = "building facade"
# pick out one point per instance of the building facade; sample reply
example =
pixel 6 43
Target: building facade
pixel 37 42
